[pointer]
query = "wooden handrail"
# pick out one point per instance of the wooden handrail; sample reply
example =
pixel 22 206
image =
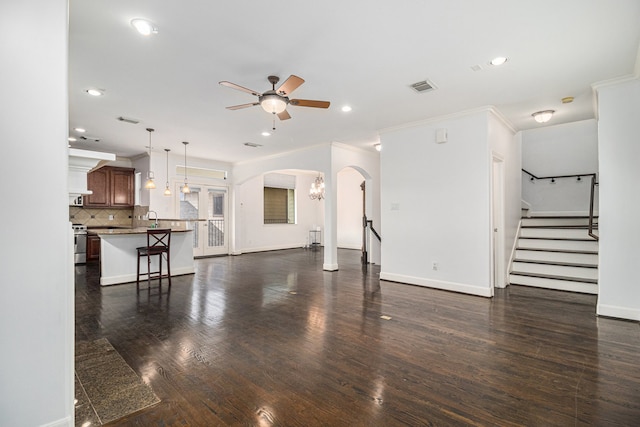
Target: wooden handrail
pixel 591 197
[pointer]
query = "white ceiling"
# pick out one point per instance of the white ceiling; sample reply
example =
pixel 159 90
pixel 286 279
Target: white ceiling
pixel 362 53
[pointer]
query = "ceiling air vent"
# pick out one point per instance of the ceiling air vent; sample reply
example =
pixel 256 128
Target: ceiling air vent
pixel 89 138
pixel 128 120
pixel 252 144
pixel 423 86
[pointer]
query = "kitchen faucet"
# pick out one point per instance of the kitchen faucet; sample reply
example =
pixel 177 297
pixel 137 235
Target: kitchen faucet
pixel 155 224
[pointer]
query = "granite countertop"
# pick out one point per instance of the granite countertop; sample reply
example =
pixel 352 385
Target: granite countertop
pixel 137 230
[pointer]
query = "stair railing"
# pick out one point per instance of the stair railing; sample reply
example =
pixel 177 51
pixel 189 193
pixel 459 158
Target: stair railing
pixel 578 177
pixel 367 224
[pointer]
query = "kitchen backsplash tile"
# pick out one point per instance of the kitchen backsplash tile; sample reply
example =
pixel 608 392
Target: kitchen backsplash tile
pixel 101 217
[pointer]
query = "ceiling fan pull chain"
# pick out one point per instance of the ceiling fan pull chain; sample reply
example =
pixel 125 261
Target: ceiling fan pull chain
pixel 274 121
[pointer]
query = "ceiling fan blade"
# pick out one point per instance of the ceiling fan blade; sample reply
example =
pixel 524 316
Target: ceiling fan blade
pixel 309 103
pixel 238 87
pixel 289 85
pixel 241 106
pixel 284 115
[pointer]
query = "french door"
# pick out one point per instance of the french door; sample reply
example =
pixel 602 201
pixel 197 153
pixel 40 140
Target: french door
pixel 206 207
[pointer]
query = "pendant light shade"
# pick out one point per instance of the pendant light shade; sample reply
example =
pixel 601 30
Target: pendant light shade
pixel 150 185
pixel 167 190
pixel 185 187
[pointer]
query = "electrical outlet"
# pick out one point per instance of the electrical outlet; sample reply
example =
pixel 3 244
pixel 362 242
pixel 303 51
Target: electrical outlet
pixel 110 217
pixel 435 266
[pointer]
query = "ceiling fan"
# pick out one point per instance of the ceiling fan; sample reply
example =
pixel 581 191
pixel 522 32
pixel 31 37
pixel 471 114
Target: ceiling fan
pixel 275 101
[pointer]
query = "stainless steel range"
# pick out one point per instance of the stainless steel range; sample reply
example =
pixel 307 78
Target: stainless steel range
pixel 79 243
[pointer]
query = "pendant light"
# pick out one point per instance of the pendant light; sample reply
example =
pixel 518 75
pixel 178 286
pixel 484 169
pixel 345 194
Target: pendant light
pixel 150 185
pixel 167 190
pixel 185 188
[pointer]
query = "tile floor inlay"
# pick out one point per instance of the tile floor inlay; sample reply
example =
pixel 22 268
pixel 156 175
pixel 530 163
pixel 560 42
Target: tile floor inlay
pixel 107 388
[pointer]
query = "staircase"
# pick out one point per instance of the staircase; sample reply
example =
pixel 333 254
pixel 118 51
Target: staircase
pixel 556 253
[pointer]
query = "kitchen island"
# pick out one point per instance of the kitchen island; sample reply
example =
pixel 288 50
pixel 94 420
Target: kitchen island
pixel 118 255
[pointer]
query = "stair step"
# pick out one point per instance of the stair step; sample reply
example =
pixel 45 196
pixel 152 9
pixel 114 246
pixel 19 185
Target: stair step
pixel 554 233
pixel 554 282
pixel 556 221
pixel 555 270
pixel 582 245
pixel 556 262
pixel 557 256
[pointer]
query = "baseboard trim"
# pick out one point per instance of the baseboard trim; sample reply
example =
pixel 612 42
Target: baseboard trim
pixel 437 284
pixel 330 267
pixel 618 312
pixel 127 278
pixel 270 248
pixel 64 422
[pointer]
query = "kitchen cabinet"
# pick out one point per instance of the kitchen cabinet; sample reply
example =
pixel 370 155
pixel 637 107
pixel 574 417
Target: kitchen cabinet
pixel 112 187
pixel 93 247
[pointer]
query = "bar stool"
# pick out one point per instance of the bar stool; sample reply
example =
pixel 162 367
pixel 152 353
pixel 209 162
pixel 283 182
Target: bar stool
pixel 158 243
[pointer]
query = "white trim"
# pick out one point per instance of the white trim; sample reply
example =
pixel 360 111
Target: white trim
pixel 128 278
pixel 437 284
pixel 560 213
pixel 63 422
pixel 513 252
pixel 618 312
pixel 268 248
pixel 330 267
pixel 460 114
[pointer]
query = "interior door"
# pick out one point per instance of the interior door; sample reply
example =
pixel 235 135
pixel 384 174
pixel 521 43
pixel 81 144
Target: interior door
pixel 206 208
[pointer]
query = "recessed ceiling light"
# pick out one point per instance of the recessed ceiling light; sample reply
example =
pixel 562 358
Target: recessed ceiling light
pixel 81 130
pixel 265 133
pixel 72 139
pixel 567 100
pixel 95 92
pixel 346 108
pixel 378 147
pixel 144 26
pixel 499 60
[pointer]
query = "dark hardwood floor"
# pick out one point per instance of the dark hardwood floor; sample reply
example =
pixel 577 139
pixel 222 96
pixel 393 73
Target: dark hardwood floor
pixel 271 339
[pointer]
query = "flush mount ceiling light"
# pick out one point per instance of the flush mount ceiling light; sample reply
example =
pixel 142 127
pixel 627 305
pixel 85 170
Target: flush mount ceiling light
pixel 499 60
pixel 72 139
pixel 95 92
pixel 265 133
pixel 144 26
pixel 346 108
pixel 543 116
pixel 81 130
pixel 150 185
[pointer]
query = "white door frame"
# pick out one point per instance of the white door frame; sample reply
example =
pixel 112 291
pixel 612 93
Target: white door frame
pixel 498 273
pixel 201 226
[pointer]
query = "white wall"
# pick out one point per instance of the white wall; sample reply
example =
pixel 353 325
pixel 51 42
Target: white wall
pixel 36 306
pixel 435 204
pixel 258 236
pixel 619 228
pixel 168 207
pixel 349 209
pixel 327 159
pixel 565 149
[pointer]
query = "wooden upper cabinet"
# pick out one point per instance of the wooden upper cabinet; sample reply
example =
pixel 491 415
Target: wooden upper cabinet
pixel 113 187
pixel 122 187
pixel 98 182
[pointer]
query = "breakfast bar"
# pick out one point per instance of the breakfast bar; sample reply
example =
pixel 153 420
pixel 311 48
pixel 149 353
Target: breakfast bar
pixel 118 256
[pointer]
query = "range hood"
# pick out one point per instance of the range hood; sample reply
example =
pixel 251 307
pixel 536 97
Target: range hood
pixel 81 162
